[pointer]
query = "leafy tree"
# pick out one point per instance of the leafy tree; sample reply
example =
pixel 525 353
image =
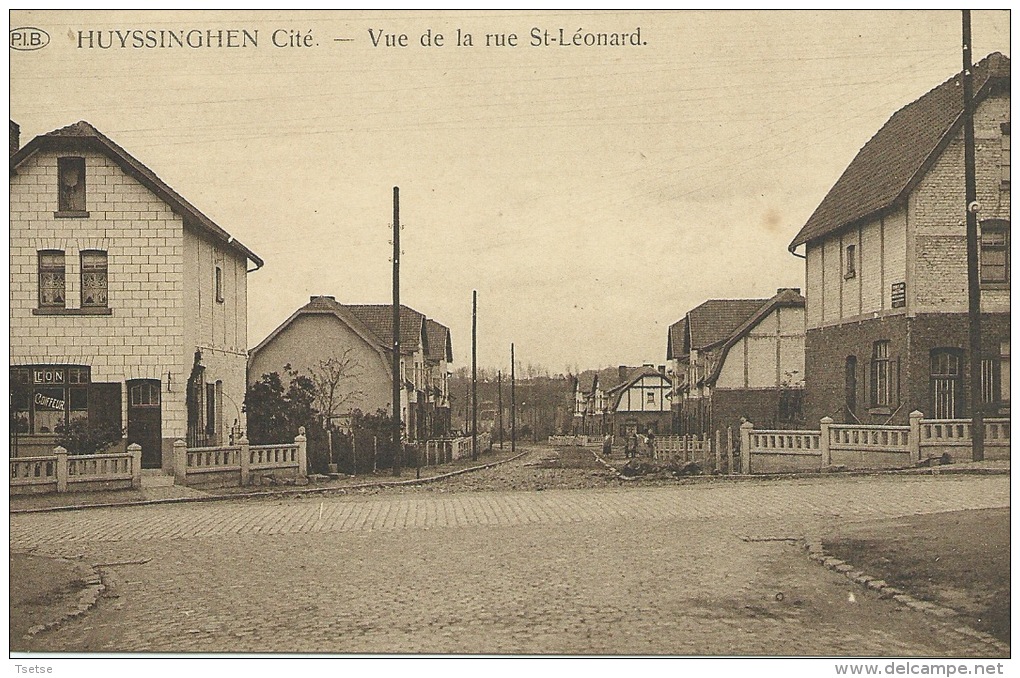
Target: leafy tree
pixel 274 413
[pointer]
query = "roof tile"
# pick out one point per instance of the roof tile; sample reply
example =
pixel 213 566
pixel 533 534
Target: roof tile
pixel 885 167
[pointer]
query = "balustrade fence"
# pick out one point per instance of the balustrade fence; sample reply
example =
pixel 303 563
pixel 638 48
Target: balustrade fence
pixel 834 445
pixel 445 450
pixel 240 464
pixel 62 472
pixel 867 447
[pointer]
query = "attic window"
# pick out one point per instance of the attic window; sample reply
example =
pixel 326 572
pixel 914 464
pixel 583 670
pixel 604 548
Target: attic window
pixel 71 187
pixel 219 284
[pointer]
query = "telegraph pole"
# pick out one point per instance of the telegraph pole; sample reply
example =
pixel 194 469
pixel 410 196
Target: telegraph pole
pixel 397 385
pixel 513 402
pixel 973 273
pixel 474 375
pixel 499 391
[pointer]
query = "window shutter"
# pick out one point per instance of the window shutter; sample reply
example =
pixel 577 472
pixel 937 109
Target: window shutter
pixel 104 405
pixel 894 383
pixel 869 382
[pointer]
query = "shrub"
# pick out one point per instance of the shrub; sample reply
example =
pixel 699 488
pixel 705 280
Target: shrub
pixel 83 437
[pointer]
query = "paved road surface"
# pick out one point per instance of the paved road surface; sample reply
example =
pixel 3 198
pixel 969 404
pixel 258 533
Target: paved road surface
pixel 691 569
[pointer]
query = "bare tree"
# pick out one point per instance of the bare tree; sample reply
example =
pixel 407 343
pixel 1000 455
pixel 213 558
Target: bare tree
pixel 335 380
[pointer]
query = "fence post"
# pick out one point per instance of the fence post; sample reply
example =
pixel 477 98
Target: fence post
pixel 914 443
pixel 745 447
pixel 180 462
pixel 302 452
pixel 135 450
pixel 731 458
pixel 718 451
pixel 244 459
pixel 60 468
pixel 823 442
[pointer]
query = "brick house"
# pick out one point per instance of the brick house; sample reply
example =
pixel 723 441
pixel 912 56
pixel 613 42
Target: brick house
pixel 734 359
pixel 325 327
pixel 886 265
pixel 128 306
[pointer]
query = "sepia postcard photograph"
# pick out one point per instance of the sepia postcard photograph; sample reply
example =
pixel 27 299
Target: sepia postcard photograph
pixel 509 334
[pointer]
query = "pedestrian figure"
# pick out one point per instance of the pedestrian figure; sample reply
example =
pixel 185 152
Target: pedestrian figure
pixel 651 444
pixel 607 446
pixel 629 444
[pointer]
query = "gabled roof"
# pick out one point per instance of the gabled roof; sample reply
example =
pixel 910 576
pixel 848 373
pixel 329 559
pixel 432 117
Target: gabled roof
pixel 586 381
pixel 715 320
pixel 676 339
pixel 785 298
pixel 379 319
pixel 635 375
pixel 440 344
pixel 83 135
pixel 368 321
pixel 889 166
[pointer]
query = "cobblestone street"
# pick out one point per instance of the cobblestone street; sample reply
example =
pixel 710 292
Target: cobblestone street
pixel 706 568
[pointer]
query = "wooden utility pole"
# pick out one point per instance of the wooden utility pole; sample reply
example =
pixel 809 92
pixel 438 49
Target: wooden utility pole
pixel 397 380
pixel 973 273
pixel 513 401
pixel 474 375
pixel 499 392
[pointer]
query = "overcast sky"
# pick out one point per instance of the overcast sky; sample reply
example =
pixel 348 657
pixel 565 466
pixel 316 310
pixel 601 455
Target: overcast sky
pixel 592 195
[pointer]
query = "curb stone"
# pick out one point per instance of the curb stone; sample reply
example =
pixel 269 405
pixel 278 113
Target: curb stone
pixel 270 493
pixel 863 473
pixel 87 599
pixel 817 553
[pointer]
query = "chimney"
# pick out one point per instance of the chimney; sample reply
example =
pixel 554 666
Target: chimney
pixel 622 372
pixel 795 290
pixel 662 370
pixel 15 139
pixel 322 296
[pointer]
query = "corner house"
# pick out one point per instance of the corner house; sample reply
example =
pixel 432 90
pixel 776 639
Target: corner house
pixel 128 306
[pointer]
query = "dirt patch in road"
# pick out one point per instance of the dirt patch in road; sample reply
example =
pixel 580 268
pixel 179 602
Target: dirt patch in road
pixel 958 559
pixel 42 589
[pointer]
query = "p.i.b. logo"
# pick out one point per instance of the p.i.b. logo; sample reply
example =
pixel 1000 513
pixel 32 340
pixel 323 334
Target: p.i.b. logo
pixel 28 38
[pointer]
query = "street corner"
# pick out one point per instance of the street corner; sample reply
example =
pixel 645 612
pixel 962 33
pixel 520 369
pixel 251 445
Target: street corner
pixel 46 591
pixel 951 566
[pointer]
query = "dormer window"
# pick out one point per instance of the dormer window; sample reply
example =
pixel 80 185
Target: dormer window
pixel 71 187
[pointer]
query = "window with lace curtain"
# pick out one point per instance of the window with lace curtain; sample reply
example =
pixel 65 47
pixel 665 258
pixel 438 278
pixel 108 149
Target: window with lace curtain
pixel 94 281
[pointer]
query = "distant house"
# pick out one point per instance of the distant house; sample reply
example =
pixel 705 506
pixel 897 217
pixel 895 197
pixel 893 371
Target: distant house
pixel 734 359
pixel 324 328
pixel 584 403
pixel 438 357
pixel 640 403
pixel 886 264
pixel 128 306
